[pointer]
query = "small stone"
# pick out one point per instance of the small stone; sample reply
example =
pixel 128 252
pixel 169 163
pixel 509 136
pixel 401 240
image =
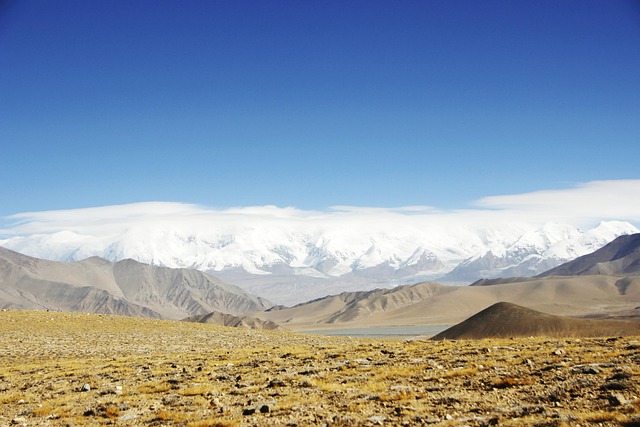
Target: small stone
pixel 621 376
pixel 377 419
pixel 615 385
pixel 86 387
pixel 19 420
pixel 265 409
pixel 170 400
pixel 617 400
pixel 448 417
pixel 249 411
pixel 276 383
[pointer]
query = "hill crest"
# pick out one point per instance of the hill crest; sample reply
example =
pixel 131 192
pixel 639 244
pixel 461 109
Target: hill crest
pixel 126 287
pixel 506 320
pixel 619 257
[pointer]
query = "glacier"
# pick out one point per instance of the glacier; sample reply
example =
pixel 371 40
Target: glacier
pixel 290 256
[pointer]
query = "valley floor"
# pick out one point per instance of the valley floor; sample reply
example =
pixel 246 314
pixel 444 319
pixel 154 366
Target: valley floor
pixel 62 369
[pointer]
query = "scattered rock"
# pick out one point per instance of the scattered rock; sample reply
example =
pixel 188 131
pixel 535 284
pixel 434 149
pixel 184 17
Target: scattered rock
pixel 617 400
pixel 621 376
pixel 128 417
pixel 312 388
pixel 263 408
pixel 589 370
pixel 171 400
pixel 276 383
pixel 85 387
pixel 615 385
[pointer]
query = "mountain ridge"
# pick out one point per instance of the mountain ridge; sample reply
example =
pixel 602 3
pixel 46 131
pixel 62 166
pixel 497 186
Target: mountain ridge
pixel 125 287
pixel 619 257
pixel 289 264
pixel 430 303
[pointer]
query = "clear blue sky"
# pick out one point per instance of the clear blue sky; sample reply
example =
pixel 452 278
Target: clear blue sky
pixel 313 103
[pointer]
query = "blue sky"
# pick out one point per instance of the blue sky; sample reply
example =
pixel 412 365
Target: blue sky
pixel 313 104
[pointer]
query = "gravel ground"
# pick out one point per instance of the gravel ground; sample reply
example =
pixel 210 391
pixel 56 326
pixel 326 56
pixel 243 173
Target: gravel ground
pixel 62 369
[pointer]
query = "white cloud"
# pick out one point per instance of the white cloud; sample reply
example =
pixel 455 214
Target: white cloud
pixel 582 205
pixel 586 202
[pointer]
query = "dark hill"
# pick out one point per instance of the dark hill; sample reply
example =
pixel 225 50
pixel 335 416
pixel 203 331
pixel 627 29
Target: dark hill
pixel 499 281
pixel 620 257
pixel 225 319
pixel 505 320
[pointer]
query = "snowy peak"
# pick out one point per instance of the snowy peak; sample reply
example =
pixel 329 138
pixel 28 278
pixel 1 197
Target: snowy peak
pixel 619 257
pixel 537 251
pixel 303 258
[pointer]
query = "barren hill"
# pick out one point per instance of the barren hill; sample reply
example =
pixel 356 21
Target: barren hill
pixel 225 319
pixel 505 320
pixel 432 303
pixel 620 257
pixel 126 287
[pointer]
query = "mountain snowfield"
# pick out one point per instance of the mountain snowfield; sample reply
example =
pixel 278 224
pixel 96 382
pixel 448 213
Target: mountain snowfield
pixel 290 256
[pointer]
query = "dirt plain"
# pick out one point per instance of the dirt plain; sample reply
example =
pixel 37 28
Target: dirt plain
pixel 68 369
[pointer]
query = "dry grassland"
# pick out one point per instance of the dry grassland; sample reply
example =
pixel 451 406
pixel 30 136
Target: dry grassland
pixel 68 369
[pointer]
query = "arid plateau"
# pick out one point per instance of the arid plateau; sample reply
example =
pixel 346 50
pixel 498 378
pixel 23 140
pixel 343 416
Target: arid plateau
pixel 66 369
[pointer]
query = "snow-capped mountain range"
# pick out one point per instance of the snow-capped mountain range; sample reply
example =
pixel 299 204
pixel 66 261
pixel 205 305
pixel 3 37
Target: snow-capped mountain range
pixel 290 257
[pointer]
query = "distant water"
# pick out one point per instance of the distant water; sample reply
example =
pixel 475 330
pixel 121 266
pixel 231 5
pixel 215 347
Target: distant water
pixel 383 332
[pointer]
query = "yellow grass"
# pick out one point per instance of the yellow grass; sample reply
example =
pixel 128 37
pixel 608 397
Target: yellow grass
pixel 155 373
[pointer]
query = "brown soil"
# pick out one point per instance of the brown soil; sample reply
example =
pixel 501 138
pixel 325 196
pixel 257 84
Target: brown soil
pixel 154 373
pixel 506 320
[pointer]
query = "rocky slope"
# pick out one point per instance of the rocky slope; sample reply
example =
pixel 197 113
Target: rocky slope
pixel 619 257
pixel 125 287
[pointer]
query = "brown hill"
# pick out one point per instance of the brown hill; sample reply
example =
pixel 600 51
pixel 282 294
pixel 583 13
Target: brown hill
pixel 126 287
pixel 620 257
pixel 505 320
pixel 431 303
pixel 225 319
pixel 499 281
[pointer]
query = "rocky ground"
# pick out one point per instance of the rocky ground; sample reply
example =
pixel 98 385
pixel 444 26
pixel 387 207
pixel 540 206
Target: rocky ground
pixel 72 369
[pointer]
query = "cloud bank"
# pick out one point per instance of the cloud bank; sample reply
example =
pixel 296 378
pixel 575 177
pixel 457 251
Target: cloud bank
pixel 582 205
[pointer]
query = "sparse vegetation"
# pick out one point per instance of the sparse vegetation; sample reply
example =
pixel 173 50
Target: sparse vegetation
pixel 63 369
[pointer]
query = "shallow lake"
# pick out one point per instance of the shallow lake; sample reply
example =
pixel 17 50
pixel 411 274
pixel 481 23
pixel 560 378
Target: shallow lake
pixel 383 332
